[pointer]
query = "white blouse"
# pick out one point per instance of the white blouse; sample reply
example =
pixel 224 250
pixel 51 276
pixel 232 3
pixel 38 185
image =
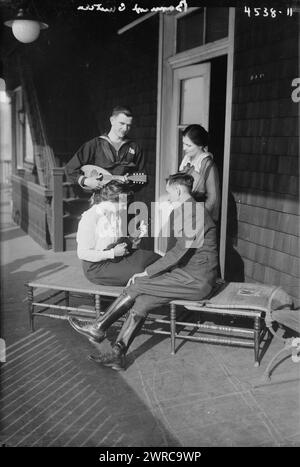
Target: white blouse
pixel 196 161
pixel 98 227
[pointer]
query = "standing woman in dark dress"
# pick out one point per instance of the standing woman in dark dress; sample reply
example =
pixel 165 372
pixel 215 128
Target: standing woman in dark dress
pixel 200 164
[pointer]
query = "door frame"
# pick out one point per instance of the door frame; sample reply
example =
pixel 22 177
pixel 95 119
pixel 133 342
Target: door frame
pixel 168 61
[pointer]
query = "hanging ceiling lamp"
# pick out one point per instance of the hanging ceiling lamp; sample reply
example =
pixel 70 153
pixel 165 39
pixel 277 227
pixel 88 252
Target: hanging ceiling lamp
pixel 25 27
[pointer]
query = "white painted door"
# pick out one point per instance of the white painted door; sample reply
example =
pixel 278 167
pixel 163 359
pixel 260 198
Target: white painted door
pixel 191 88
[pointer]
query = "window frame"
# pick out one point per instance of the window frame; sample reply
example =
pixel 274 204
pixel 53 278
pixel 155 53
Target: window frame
pixel 19 121
pixel 204 42
pixel 188 12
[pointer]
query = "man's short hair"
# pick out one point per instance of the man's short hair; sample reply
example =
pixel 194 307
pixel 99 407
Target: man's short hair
pixel 182 179
pixel 121 109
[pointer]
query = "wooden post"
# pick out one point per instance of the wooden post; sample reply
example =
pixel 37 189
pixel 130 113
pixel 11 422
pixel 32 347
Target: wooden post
pixel 57 209
pixel 98 305
pixel 21 173
pixel 256 340
pixel 173 326
pixel 30 306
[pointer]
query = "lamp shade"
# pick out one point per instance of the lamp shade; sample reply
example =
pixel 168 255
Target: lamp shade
pixel 25 28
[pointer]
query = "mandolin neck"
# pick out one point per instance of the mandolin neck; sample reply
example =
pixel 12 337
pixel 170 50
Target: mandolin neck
pixel 112 177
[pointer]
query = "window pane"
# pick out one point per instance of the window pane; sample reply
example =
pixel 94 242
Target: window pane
pixel 190 31
pixel 191 110
pixel 216 23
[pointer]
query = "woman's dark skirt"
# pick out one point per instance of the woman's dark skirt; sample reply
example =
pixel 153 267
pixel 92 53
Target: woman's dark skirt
pixel 119 270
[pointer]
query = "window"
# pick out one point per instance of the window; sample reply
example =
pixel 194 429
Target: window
pixel 5 135
pixel 192 90
pixel 190 30
pixel 29 154
pixel 200 26
pixel 216 24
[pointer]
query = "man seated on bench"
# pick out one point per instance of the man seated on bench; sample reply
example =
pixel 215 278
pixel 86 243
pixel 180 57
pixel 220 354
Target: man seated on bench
pixel 188 271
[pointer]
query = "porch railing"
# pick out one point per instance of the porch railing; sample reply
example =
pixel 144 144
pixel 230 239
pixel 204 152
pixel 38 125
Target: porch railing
pixel 57 209
pixel 49 175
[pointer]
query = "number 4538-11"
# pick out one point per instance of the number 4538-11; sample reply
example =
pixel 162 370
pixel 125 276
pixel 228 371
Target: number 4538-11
pixel 267 12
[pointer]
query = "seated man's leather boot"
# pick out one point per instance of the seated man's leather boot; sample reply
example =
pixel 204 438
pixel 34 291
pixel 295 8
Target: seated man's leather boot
pixel 115 358
pixel 97 331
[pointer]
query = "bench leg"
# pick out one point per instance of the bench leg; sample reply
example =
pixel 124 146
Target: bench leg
pixel 173 327
pixel 30 306
pixel 97 306
pixel 256 340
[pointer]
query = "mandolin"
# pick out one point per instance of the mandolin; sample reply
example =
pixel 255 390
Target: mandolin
pixel 104 176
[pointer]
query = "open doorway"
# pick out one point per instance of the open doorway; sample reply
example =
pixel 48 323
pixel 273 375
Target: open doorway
pixel 209 89
pixel 217 108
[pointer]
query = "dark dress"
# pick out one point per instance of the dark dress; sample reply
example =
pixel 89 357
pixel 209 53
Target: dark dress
pixel 119 270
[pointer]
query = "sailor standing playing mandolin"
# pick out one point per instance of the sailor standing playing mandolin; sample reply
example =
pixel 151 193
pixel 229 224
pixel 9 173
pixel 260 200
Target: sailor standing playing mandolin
pixel 113 152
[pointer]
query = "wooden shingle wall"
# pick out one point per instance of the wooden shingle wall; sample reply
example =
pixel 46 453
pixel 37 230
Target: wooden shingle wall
pixel 264 165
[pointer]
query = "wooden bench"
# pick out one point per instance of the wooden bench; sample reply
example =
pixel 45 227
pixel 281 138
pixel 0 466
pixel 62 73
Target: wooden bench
pixel 243 300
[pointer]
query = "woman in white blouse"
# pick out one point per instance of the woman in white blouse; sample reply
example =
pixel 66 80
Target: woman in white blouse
pixel 200 164
pixel 108 257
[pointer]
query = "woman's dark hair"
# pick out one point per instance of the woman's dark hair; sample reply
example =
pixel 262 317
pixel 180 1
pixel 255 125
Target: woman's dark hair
pixel 111 192
pixel 197 134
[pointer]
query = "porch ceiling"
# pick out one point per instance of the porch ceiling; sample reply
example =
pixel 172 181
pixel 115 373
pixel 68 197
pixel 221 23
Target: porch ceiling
pixel 61 15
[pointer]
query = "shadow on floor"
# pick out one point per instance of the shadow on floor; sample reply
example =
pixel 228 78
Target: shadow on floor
pixel 11 234
pixel 64 400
